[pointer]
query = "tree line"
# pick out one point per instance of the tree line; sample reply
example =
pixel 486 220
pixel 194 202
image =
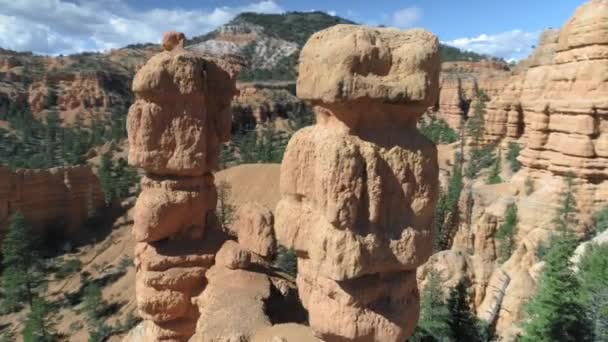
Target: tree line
pixel 47 143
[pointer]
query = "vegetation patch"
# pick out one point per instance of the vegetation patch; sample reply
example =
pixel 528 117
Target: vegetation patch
pixel 437 130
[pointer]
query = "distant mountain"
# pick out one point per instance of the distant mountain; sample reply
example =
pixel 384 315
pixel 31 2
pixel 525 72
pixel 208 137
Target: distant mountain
pixel 454 54
pixel 269 42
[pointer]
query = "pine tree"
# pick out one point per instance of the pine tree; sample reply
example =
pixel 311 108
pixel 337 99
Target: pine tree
pixel 593 277
pixel 514 150
pixel 52 142
pixel 38 327
pixel 506 233
pixel 463 323
pixel 494 175
pixel 92 302
pixel 556 312
pixel 446 214
pixel 105 177
pixel 475 124
pixel 437 130
pixel 435 318
pixel 247 145
pixel 601 220
pixel 94 308
pixel 20 262
pixel 300 117
pixel 567 213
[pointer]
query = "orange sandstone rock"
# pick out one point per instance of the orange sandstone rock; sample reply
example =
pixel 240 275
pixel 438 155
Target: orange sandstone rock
pixel 359 188
pixel 180 117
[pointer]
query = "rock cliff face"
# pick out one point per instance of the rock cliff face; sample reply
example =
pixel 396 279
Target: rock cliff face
pixel 236 37
pixel 61 197
pixel 460 83
pixel 555 107
pixel 359 188
pixel 80 97
pixel 504 119
pixel 565 104
pixel 180 117
pixel 88 86
pixel 256 105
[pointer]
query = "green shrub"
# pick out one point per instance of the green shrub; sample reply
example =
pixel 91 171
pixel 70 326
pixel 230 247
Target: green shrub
pixel 593 277
pixel 446 214
pixel 67 268
pixel 124 264
pixel 438 131
pixel 494 175
pixel 506 234
pixel 480 158
pixel 601 220
pixel 512 154
pixel 287 261
pixel 529 186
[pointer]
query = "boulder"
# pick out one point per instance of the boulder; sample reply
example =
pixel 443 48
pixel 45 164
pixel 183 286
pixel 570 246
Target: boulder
pixel 254 227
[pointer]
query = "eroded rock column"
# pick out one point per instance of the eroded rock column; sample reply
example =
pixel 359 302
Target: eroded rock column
pixel 359 188
pixel 180 117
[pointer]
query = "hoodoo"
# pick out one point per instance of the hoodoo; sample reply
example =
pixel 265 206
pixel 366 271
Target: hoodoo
pixel 359 188
pixel 180 117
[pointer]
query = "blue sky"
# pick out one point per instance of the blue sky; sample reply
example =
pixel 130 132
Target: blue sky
pixel 504 28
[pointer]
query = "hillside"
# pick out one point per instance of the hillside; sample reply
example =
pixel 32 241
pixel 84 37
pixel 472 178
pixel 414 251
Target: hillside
pixel 271 42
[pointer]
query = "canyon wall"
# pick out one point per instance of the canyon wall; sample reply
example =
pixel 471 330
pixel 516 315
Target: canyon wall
pixel 554 106
pixel 359 188
pixel 58 197
pixel 461 83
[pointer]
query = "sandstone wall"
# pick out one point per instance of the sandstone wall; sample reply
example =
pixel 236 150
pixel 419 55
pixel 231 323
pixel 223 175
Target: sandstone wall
pixel 460 83
pixel 60 197
pixel 555 106
pixel 254 106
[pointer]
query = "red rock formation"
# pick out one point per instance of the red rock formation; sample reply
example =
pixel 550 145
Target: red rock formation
pixel 565 103
pixel 555 105
pixel 504 119
pixel 460 83
pixel 59 196
pixel 180 117
pixel 359 188
pixel 258 105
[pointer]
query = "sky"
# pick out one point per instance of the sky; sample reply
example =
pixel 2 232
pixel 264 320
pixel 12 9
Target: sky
pixel 506 29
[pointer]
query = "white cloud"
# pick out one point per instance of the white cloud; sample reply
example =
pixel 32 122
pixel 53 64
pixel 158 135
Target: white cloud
pixel 511 45
pixel 59 26
pixel 406 17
